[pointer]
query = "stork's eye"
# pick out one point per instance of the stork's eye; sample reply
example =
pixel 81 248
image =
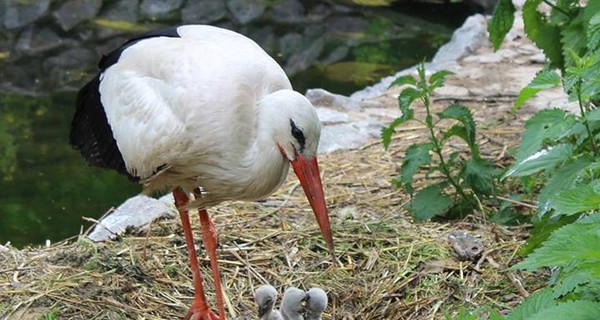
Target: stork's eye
pixel 298 134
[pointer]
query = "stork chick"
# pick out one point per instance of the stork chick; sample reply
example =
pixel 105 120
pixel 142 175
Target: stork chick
pixel 316 302
pixel 292 304
pixel 265 297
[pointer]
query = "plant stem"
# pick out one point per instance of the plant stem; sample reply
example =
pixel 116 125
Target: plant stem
pixel 438 150
pixel 557 8
pixel 585 122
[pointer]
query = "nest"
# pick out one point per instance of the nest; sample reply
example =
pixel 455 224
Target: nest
pixel 388 266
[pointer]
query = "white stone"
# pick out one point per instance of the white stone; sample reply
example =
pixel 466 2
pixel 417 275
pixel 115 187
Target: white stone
pixel 137 212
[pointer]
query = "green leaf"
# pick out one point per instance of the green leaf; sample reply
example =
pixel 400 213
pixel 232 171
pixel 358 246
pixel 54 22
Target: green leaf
pixel 545 79
pixel 546 125
pixel 542 229
pixel 574 242
pixel 574 40
pixel 593 115
pixel 545 35
pixel 564 178
pixel 429 202
pixel 572 310
pixel 438 79
pixel 501 22
pixel 388 132
pixel 537 302
pixel 569 282
pixel 580 199
pixel 478 175
pixel 406 98
pixel 507 215
pixel 544 159
pixel 463 115
pixel 591 16
pixel 403 80
pixel 456 130
pixel 417 155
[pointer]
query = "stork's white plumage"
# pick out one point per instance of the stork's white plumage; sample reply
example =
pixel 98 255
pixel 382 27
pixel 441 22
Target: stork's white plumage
pixel 205 110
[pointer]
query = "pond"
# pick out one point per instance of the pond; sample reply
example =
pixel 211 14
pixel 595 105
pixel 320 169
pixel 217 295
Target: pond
pixel 46 187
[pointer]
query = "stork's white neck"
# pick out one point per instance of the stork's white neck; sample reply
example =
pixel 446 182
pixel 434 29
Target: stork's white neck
pixel 268 165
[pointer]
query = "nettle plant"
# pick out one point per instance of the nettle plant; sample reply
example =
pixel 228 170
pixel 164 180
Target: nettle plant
pixel 560 152
pixel 465 179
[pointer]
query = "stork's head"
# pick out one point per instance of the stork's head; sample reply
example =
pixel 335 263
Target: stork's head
pixel 265 297
pixel 300 129
pixel 316 302
pixel 297 132
pixel 292 303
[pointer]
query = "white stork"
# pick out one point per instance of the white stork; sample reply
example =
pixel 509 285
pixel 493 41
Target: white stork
pixel 201 110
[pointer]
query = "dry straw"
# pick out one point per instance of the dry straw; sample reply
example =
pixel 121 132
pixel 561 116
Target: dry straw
pixel 389 267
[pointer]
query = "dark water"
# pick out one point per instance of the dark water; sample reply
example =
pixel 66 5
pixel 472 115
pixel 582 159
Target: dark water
pixel 46 187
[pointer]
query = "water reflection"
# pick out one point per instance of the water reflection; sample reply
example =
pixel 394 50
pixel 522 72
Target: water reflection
pixel 45 186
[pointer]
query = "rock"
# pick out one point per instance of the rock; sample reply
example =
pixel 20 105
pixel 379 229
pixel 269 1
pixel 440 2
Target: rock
pixel 20 80
pixel 350 24
pixel 160 9
pixel 346 136
pixel 319 12
pixel 20 13
pixel 205 11
pixel 466 246
pixel 246 11
pixel 137 212
pixel 324 98
pixel 329 116
pixel 465 40
pixel 64 69
pixel 35 40
pixel 299 51
pixel 264 36
pixel 2 15
pixel 309 52
pixel 338 54
pixel 493 57
pixel 72 58
pixel 121 10
pixel 73 12
pixel 287 12
pixel 449 90
pixel 289 44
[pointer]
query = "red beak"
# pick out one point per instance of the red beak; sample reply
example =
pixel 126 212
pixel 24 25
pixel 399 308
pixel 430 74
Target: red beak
pixel 307 170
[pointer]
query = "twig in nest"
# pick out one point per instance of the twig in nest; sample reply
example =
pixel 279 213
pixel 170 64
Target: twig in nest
pixel 518 284
pixel 521 203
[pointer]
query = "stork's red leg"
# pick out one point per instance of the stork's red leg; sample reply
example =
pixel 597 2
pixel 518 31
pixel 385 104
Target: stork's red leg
pixel 199 309
pixel 209 237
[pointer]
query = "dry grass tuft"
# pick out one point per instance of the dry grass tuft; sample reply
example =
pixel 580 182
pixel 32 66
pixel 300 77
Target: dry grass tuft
pixel 389 267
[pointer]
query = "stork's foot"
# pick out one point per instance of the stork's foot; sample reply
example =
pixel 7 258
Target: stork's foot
pixel 199 311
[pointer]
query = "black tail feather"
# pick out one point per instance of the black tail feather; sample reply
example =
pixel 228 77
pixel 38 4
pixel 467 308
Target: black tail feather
pixel 91 133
